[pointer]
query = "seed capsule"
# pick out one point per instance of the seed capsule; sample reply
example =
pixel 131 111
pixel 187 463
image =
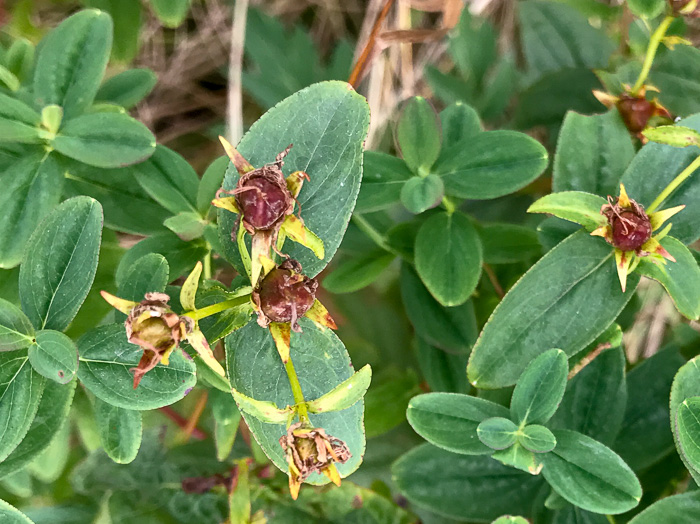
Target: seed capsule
pixel 285 294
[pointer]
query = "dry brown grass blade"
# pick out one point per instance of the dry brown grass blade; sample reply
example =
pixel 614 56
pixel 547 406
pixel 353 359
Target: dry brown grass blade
pixel 363 61
pixel 411 36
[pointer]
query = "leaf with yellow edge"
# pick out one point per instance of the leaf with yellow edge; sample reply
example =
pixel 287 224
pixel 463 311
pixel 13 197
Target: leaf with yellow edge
pixel 295 229
pixel 125 306
pixel 675 136
pixel 262 409
pixel 344 394
pixel 281 333
pixel 189 288
pixel 201 346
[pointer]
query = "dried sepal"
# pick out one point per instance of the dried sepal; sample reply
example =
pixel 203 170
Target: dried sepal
pixel 295 229
pixel 310 450
pixel 320 315
pixel 199 343
pixel 188 291
pixel 120 304
pixel 659 217
pixel 239 162
pixel 622 263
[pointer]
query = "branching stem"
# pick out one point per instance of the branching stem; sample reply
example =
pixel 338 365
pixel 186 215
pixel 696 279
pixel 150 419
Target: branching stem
pixel 217 308
pixel 296 391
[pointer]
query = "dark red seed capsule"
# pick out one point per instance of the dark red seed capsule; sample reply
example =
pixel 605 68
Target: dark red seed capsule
pixel 635 112
pixel 630 230
pixel 286 294
pixel 263 201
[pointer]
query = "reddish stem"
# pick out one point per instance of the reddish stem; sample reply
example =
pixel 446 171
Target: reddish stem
pixel 181 422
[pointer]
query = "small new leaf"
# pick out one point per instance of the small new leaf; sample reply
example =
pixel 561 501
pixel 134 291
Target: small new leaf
pixel 574 206
pixel 189 288
pixel 344 394
pixel 537 439
pixel 497 432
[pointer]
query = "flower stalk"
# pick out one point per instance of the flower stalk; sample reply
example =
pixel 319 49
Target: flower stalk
pixel 682 176
pixel 656 38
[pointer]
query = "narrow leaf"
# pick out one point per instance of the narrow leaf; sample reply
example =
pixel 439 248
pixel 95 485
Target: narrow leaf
pixel 574 206
pixel 344 394
pixel 263 410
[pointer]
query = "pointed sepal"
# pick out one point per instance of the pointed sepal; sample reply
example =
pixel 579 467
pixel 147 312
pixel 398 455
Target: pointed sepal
pixel 604 98
pixel 320 316
pixel 239 162
pixel 659 217
pixel 654 248
pixel 198 341
pixel 262 242
pixel 261 409
pixel 623 200
pixel 331 472
pixel 281 333
pixel 120 304
pixel 297 231
pixel 188 291
pixel 295 181
pixel 622 263
pixel 344 394
pixel 227 203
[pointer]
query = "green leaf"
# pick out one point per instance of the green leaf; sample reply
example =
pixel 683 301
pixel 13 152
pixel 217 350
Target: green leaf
pixel 508 243
pixel 595 399
pixel 676 136
pixel 127 88
pixel 688 431
pixel 442 371
pixel 680 278
pixel 31 188
pixel 459 122
pixel 537 439
pixel 147 274
pixel 418 135
pixel 358 272
pixel 654 167
pixel 473 47
pixel 50 463
pixel 344 394
pixel 330 126
pixel 11 515
pixel 187 226
pixel 106 358
pixel 540 388
pixel 50 417
pixel 20 392
pixel 686 385
pixel 105 140
pixel 383 178
pixel 71 62
pixel 18 121
pixel 181 256
pixel 16 331
pixel 448 257
pixel 419 194
pixel 120 431
pixel 387 400
pixel 491 164
pixel 54 355
pixel 453 329
pixel 171 13
pixel 497 432
pixel 463 487
pixel 169 180
pixel 574 206
pixel 648 9
pixel 546 102
pixel 126 15
pixel 210 183
pixel 119 194
pixel 226 422
pixel 60 266
pixel 675 74
pixel 9 79
pixel 671 510
pixel 592 153
pixel 218 326
pixel 645 437
pixel 321 362
pixel 574 285
pixel 450 420
pixel 557 36
pixel 590 475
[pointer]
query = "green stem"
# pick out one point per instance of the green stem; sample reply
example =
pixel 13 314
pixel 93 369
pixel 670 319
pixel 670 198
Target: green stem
pixel 450 206
pixel 374 235
pixel 695 164
pixel 207 265
pixel 296 391
pixel 654 42
pixel 217 308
